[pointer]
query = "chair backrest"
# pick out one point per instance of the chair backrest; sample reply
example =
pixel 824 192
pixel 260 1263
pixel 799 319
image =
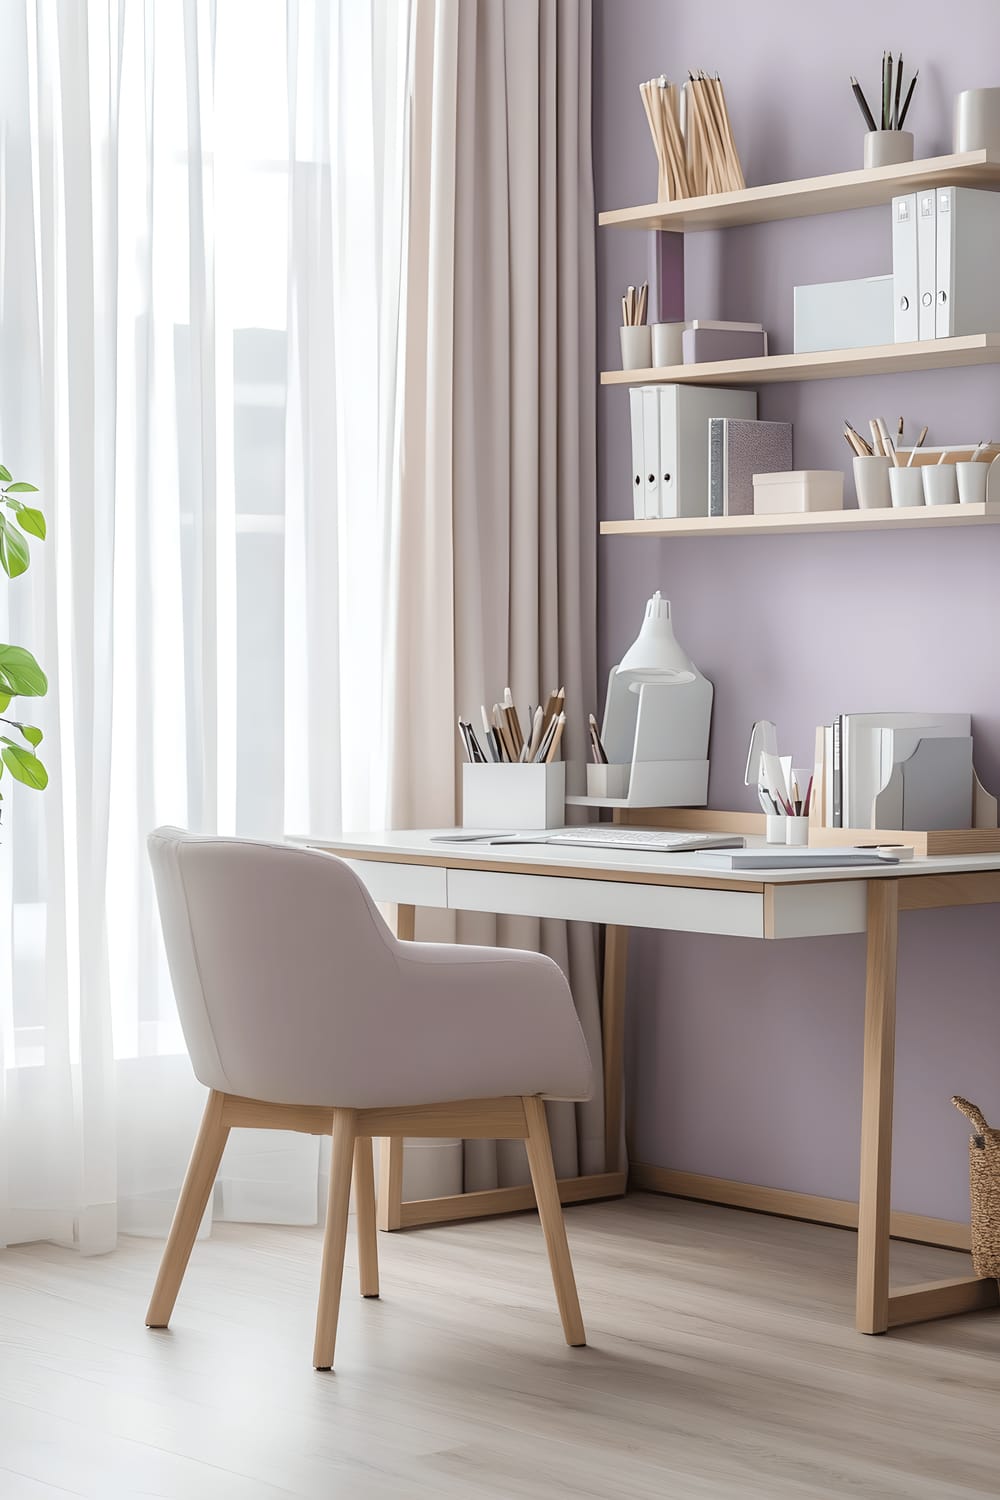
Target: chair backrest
pixel 283 969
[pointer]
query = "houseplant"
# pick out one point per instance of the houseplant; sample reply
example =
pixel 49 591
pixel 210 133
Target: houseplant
pixel 20 674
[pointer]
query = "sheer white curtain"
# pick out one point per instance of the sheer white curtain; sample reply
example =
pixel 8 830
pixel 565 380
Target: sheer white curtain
pixel 201 240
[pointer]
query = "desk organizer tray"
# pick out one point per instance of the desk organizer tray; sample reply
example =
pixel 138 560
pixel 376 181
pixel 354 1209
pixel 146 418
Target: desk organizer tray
pixel 925 843
pixel 981 836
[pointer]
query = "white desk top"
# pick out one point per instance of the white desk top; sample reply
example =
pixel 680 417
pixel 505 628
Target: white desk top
pixel 417 845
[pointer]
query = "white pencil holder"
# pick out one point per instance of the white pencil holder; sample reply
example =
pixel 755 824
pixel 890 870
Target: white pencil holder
pixel 871 482
pixel 608 781
pixel 796 830
pixel 940 484
pixel 636 346
pixel 885 148
pixel 774 827
pixel 906 487
pixel 514 797
pixel 972 480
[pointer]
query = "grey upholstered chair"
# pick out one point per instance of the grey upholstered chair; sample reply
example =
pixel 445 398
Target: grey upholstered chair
pixel 301 1011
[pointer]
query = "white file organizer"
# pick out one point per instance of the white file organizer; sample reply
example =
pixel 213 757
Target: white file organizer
pixel 656 725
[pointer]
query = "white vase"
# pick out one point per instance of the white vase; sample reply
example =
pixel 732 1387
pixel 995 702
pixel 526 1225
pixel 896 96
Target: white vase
pixel 977 120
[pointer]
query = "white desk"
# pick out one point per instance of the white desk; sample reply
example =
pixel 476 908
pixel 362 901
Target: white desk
pixel 679 893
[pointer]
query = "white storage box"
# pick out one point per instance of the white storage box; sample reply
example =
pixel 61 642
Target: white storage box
pixel 514 797
pixel 843 314
pixel 798 489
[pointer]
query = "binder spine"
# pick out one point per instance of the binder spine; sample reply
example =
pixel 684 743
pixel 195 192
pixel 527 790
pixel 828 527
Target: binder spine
pixel 927 262
pixel 904 267
pixel 651 450
pixel 638 481
pixel 944 309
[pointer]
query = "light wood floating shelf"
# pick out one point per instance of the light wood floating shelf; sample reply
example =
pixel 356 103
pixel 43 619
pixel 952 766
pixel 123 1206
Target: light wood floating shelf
pixel 829 364
pixel 930 516
pixel 812 195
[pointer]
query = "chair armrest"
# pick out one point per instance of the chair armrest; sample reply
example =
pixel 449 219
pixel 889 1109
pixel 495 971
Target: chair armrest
pixel 486 1022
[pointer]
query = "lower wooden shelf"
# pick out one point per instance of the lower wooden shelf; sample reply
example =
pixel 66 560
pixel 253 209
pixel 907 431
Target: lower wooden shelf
pixel 825 364
pixel 905 518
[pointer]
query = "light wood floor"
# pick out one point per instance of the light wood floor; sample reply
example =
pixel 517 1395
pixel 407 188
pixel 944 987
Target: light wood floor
pixel 722 1364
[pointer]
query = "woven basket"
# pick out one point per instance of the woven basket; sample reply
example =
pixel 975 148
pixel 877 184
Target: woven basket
pixel 984 1190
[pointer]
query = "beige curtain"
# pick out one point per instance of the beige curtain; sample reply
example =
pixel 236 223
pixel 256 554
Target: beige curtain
pixel 497 567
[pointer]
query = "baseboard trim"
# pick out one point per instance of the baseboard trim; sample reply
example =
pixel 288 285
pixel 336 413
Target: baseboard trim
pixel 767 1200
pixel 417 1211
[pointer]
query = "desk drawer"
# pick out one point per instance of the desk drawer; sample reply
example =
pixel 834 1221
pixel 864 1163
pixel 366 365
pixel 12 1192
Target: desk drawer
pixel 406 885
pixel 677 908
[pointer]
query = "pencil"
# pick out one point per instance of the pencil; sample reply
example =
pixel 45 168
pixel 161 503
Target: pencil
pixel 918 444
pixel 863 105
pixel 886 85
pixel 899 84
pixel 906 102
pixel 865 448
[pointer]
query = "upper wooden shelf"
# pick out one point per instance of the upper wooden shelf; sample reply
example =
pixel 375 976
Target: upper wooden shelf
pixel 918 516
pixel 881 359
pixel 813 195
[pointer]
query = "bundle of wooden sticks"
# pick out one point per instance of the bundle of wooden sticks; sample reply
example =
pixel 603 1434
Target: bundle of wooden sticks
pixel 695 148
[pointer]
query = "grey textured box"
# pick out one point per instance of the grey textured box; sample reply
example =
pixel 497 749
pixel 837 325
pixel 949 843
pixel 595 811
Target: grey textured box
pixel 737 450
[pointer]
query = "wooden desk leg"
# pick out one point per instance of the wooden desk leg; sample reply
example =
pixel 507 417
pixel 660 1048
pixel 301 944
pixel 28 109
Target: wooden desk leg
pixel 876 1108
pixel 406 918
pixel 390 1170
pixel 613 1040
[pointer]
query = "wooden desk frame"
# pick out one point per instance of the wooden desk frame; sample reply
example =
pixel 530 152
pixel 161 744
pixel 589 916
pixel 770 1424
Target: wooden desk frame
pixel 878 1309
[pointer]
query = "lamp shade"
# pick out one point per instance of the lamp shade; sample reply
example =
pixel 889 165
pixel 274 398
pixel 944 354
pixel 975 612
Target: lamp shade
pixel 655 655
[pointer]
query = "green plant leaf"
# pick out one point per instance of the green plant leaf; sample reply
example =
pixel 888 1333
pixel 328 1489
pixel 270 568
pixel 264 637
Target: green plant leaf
pixel 22 488
pixel 31 734
pixel 20 674
pixel 4 701
pixel 14 555
pixel 31 521
pixel 25 767
pixel 5 475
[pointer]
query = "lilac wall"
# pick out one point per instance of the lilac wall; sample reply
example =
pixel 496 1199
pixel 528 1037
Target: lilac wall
pixel 749 1064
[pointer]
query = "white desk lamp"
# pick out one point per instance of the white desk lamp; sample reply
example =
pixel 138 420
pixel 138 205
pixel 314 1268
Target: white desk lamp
pixel 657 718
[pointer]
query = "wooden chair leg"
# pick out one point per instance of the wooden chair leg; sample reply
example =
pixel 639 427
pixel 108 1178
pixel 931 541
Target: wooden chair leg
pixel 335 1239
pixel 550 1212
pixel 198 1183
pixel 364 1211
